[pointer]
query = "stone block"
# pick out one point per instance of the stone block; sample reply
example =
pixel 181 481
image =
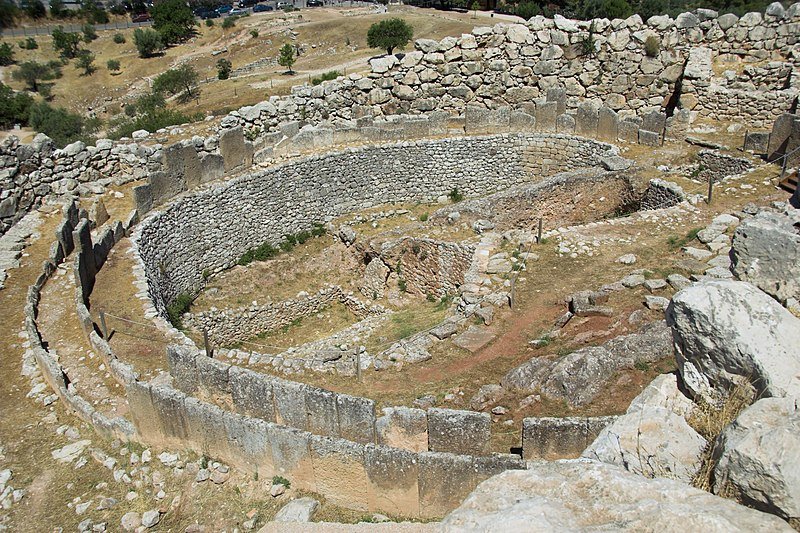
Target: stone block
pixel 64 237
pixel 403 427
pixel 212 375
pixel 649 138
pixel 546 116
pixel 249 447
pixel 291 455
pixel 445 480
pixel 290 403
pixel 356 418
pixel 165 186
pixel 521 121
pixel 607 125
pixel 392 480
pixel 143 198
pixel 654 121
pixel 558 96
pixel 142 412
pixel 565 124
pixel 416 128
pixel 212 167
pixel 478 119
pixel 461 432
pixel 321 411
pixel 206 432
pixel 168 405
pixel 192 167
pixel 85 265
pixel 629 130
pixel 103 247
pixel 756 142
pixel 490 465
pixel 586 120
pixel 181 364
pixel 237 154
pixel 251 393
pixel 560 438
pixel 339 472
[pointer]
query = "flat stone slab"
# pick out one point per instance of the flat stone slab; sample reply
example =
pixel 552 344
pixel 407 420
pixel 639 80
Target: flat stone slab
pixel 444 330
pixel 299 510
pixel 474 338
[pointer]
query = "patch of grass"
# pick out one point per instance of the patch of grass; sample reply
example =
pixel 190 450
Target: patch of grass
pixel 423 217
pixel 267 251
pixel 178 307
pixel 280 480
pixel 455 196
pixel 328 76
pixel 677 243
pixel 709 419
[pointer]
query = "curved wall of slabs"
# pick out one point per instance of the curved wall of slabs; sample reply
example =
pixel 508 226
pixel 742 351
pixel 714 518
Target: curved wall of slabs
pixel 210 228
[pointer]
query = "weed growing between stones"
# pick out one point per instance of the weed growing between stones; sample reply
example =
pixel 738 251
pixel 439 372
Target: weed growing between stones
pixel 268 251
pixel 676 242
pixel 178 307
pixel 455 196
pixel 709 419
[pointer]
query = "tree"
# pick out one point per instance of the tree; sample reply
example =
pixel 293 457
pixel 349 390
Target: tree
pixel 67 44
pixel 33 73
pixel 389 34
pixel 527 10
pixel 174 20
pixel 14 107
pixel 57 9
pixel 113 65
pixel 475 7
pixel 34 9
pixel 8 12
pixel 286 58
pixel 610 9
pixel 224 68
pixel 148 42
pixel 86 62
pixel 89 33
pixel 93 12
pixel 6 54
pixel 173 81
pixel 57 123
pixel 228 22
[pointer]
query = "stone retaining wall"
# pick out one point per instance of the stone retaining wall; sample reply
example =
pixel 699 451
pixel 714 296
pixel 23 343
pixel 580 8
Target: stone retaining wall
pixel 231 326
pixel 210 228
pixel 560 438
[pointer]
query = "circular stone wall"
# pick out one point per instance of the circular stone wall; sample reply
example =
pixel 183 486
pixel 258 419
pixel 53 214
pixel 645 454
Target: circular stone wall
pixel 208 229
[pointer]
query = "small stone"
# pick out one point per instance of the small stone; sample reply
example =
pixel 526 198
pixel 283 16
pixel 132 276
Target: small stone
pixel 151 518
pixel 218 477
pixel 627 259
pixel 130 521
pixel 202 475
pixel 499 410
pixel 634 280
pixel 653 285
pixel 277 489
pixel 168 459
pixel 656 303
pixel 82 507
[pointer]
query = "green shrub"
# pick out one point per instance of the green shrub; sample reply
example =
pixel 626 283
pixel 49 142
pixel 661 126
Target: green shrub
pixel 148 42
pixel 228 22
pixel 66 44
pixel 6 54
pixel 423 217
pixel 29 44
pixel 254 34
pixel 224 68
pixel 652 46
pixel 119 38
pixel 57 123
pixel 86 62
pixel 525 10
pixel 401 284
pixel 318 230
pixel 177 308
pixel 113 65
pixel 455 196
pixel 89 33
pixel 14 107
pixel 209 23
pixel 332 75
pixel 280 480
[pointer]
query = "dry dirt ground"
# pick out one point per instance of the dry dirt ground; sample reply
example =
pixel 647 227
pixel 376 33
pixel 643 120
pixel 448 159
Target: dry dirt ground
pixel 30 431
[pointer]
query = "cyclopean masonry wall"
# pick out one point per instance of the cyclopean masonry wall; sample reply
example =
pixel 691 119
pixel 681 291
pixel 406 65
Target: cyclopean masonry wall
pixel 210 228
pixel 601 62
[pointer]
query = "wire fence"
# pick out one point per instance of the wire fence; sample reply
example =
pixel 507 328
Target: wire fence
pixel 48 30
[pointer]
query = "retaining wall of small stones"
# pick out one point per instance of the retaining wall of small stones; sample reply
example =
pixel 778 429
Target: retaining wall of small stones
pixel 230 326
pixel 209 229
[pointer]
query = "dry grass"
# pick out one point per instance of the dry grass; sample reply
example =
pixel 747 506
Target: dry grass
pixel 709 419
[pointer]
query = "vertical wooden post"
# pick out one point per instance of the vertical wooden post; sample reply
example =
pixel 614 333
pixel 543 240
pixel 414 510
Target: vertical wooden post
pixel 710 189
pixel 103 327
pixel 358 364
pixel 209 352
pixel 539 233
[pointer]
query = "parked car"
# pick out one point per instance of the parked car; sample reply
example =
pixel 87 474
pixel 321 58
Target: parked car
pixel 247 3
pixel 224 10
pixel 260 8
pixel 238 11
pixel 141 17
pixel 283 4
pixel 314 3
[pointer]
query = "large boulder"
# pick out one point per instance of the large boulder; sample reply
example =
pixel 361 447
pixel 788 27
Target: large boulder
pixel 729 331
pixel 653 438
pixel 582 495
pixel 759 457
pixel 766 252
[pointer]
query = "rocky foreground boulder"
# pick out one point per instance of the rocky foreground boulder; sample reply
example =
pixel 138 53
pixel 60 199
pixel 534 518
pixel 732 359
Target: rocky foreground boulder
pixel 759 457
pixel 653 438
pixel 766 253
pixel 726 331
pixel 584 495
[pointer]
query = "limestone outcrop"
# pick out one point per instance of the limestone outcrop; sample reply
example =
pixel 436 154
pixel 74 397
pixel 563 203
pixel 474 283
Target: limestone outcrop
pixel 585 495
pixel 728 331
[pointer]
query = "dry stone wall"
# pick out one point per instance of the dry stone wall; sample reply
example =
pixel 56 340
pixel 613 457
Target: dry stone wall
pixel 603 62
